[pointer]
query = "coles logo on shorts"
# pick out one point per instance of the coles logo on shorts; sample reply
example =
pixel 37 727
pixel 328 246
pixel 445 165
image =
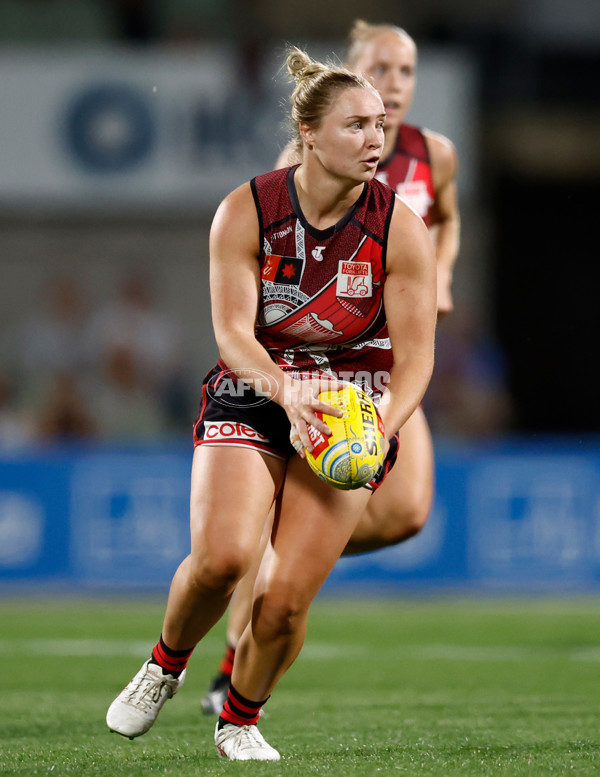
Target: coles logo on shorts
pixel 227 431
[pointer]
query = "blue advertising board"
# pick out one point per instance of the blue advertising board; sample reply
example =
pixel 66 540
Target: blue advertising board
pixel 507 517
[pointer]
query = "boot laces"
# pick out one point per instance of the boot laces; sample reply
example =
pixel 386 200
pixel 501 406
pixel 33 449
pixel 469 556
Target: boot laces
pixel 147 691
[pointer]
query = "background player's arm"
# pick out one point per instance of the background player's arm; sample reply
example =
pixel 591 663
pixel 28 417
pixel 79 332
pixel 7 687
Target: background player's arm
pixel 288 157
pixel 410 303
pixel 445 216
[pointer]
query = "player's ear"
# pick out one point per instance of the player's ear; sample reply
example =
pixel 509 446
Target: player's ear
pixel 306 133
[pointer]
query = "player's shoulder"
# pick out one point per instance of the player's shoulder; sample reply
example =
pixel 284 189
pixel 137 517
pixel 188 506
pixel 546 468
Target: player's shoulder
pixel 381 189
pixel 406 227
pixel 379 199
pixel 442 153
pixel 270 183
pixel 237 197
pixel 237 208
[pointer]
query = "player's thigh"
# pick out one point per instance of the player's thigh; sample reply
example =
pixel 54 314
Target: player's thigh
pixel 415 450
pixel 314 522
pixel 232 492
pixel 409 485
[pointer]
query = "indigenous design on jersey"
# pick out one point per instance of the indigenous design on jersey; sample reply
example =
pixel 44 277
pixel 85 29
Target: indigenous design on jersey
pixel 408 171
pixel 321 305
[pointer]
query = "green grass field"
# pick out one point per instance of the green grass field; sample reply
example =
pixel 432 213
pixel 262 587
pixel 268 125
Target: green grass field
pixel 414 687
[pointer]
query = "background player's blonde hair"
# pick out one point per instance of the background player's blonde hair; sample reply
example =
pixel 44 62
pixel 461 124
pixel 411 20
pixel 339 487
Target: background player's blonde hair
pixel 362 32
pixel 317 86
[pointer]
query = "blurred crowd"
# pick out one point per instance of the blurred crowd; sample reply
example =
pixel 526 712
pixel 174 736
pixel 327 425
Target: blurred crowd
pixel 69 372
pixel 117 371
pixel 468 395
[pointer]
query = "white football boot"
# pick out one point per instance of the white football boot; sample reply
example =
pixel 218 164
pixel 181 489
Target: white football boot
pixel 243 743
pixel 136 708
pixel 216 696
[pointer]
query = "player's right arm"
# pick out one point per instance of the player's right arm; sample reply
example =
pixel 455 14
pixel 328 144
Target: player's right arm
pixel 235 286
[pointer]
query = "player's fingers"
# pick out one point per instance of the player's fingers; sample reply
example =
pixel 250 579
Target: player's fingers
pixel 310 417
pixel 296 441
pixel 319 406
pixel 302 430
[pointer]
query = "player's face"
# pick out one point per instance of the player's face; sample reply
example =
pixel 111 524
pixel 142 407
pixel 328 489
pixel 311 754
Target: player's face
pixel 389 61
pixel 349 140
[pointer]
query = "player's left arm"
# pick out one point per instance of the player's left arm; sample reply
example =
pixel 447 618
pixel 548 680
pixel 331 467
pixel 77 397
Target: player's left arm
pixel 410 303
pixel 445 216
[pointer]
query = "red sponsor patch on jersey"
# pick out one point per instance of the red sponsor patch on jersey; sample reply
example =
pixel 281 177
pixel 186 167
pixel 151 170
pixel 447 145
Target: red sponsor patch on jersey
pixel 282 269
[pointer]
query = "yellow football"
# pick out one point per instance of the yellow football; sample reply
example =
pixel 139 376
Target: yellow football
pixel 354 451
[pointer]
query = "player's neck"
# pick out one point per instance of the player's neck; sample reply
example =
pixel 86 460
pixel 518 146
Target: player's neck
pixel 324 200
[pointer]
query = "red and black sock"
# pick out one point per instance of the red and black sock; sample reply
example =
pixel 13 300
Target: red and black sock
pixel 239 710
pixel 172 661
pixel 226 665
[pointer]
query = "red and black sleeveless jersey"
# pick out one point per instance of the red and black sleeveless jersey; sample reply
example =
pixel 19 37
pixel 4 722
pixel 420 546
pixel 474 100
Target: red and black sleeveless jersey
pixel 321 305
pixel 408 171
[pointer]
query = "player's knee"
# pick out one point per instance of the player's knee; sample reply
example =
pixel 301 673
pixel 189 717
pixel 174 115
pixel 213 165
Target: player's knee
pixel 401 526
pixel 416 517
pixel 280 614
pixel 413 524
pixel 221 569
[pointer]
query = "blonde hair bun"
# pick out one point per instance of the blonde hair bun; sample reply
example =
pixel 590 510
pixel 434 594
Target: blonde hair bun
pixel 300 66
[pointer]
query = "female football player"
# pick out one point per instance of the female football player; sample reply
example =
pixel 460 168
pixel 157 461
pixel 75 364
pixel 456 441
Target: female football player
pixel 283 248
pixel 420 166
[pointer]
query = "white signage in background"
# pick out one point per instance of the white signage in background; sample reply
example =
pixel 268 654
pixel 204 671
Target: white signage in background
pixel 528 520
pixel 129 518
pixel 112 128
pixel 22 520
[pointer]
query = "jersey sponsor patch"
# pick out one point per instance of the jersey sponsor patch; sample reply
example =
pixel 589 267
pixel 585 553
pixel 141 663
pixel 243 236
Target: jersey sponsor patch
pixel 354 279
pixel 283 269
pixel 229 431
pixel 416 195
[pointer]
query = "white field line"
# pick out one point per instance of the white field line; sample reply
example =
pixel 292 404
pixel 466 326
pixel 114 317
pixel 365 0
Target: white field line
pixel 211 646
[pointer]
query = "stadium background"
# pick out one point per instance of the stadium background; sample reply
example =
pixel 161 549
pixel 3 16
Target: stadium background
pixel 124 123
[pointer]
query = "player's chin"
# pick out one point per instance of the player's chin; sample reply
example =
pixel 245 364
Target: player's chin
pixel 359 175
pixel 369 173
pixel 366 170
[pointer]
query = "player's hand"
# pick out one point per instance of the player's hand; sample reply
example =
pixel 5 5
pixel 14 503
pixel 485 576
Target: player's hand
pixel 302 403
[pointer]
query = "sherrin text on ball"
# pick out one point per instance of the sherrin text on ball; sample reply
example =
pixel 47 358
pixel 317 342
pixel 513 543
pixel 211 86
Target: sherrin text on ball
pixel 352 454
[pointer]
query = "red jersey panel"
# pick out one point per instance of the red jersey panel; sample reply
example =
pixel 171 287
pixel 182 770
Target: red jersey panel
pixel 321 305
pixel 408 171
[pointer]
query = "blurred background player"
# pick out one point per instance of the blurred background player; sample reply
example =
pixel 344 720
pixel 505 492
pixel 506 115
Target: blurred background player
pixel 421 167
